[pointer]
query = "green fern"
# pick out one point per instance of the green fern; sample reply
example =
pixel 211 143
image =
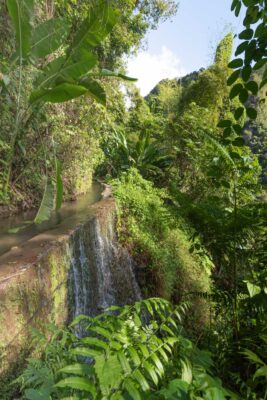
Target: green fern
pixel 131 352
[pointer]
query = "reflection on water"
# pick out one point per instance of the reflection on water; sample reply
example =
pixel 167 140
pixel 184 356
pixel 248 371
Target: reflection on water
pixel 17 229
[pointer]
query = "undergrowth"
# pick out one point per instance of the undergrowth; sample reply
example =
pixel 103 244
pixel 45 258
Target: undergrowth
pixel 159 241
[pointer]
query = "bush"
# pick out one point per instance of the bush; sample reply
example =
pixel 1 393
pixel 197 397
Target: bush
pixel 159 241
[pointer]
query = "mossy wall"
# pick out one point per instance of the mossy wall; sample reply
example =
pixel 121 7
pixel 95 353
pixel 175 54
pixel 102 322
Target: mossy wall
pixel 77 268
pixel 35 295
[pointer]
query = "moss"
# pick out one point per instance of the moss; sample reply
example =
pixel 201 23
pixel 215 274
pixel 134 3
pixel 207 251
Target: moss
pixel 59 266
pixel 32 300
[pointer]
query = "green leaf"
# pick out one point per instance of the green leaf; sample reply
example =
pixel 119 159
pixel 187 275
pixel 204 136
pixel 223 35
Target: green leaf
pixel 21 12
pixel 237 63
pixel 58 94
pixel 214 393
pixel 236 89
pixel 239 142
pixel 37 394
pixel 95 90
pixel 187 374
pixel 227 132
pixel 48 37
pixel 252 86
pixel 252 14
pixel 77 383
pixel 79 318
pixel 72 398
pixel 108 371
pixel 232 78
pixel 225 123
pixel 124 362
pixel 241 48
pixel 252 357
pixel 131 389
pixel 47 205
pixel 259 64
pixel 238 129
pixel 78 369
pixel 234 4
pixel 95 342
pixel 246 72
pixel 261 372
pixel 253 289
pixel 239 112
pixel 247 34
pixel 237 9
pixel 101 331
pixel 134 356
pixel 248 3
pixel 251 113
pixel 235 156
pixel 86 352
pixel 261 30
pixel 139 377
pixel 60 69
pixel 94 29
pixel 226 184
pixel 243 96
pixel 59 184
pixel 151 372
pixel 106 72
pixel 158 364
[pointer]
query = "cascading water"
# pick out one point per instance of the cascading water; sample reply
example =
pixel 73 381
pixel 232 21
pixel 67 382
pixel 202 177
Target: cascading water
pixel 75 267
pixel 101 271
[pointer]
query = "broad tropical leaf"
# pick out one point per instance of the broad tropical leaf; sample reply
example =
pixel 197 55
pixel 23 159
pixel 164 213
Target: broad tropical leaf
pixel 106 72
pixel 60 69
pixel 58 94
pixel 47 204
pixel 48 37
pixel 95 90
pixel 94 28
pixel 21 12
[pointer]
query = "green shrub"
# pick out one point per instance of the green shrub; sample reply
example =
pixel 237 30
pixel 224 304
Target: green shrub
pixel 134 352
pixel 159 240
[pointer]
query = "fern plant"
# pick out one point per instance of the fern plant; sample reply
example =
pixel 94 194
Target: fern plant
pixel 133 352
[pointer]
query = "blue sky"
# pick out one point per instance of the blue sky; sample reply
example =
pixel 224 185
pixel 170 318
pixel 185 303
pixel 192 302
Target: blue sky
pixel 185 44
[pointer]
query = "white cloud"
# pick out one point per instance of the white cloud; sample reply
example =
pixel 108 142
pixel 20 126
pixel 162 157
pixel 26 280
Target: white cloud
pixel 151 68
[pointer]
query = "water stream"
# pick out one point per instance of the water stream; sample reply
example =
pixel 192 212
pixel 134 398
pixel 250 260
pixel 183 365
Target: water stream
pixel 17 229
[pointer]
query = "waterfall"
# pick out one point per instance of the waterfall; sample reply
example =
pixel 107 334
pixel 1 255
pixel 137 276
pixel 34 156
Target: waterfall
pixel 76 267
pixel 102 272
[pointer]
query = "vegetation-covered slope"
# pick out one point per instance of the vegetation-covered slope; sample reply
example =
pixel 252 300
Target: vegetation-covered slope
pixel 188 187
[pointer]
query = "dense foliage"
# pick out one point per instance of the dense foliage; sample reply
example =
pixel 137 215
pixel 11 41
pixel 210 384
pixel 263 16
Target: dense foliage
pixel 187 165
pixel 138 352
